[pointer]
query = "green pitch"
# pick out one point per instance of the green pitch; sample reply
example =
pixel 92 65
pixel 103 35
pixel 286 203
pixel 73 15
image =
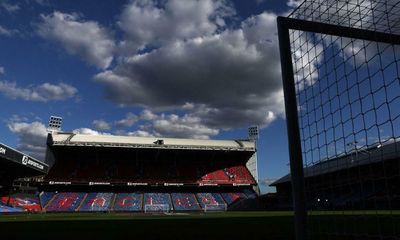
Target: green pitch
pixel 205 226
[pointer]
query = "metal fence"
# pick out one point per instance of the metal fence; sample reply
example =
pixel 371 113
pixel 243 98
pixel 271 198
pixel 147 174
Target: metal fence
pixel 341 76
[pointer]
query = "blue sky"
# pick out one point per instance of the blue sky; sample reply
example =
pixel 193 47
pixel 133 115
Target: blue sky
pixel 202 69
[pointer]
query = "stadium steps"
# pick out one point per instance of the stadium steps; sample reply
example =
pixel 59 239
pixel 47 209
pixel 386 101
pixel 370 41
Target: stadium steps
pixel 142 197
pixel 171 203
pixel 223 200
pixel 80 204
pixel 235 204
pixel 49 202
pixel 40 199
pixel 197 201
pixel 113 202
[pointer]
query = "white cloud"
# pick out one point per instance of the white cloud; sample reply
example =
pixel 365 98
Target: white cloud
pixel 88 131
pixel 147 115
pixel 10 8
pixel 31 136
pixel 173 125
pixel 42 93
pixel 267 181
pixel 43 2
pixel 150 23
pixel 294 3
pixel 186 126
pixel 6 32
pixel 101 125
pixel 233 75
pixel 83 38
pixel 129 120
pixel 2 71
pixel 140 133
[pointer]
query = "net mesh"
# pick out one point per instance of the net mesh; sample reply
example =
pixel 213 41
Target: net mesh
pixel 348 104
pixel 375 15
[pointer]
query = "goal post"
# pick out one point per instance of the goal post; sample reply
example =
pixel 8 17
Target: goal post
pixel 160 208
pixel 217 207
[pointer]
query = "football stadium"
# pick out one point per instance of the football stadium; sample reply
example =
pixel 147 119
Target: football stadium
pixel 340 69
pixel 121 177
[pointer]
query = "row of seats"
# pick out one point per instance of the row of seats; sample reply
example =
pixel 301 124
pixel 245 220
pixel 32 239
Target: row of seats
pixel 8 209
pixel 223 172
pixel 139 202
pixel 29 203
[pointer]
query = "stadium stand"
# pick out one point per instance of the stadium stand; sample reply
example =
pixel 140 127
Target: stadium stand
pixel 8 209
pixel 97 202
pixel 185 202
pixel 221 162
pixel 135 174
pixel 29 203
pixel 128 202
pixel 137 202
pixel 120 171
pixel 65 202
pixel 358 181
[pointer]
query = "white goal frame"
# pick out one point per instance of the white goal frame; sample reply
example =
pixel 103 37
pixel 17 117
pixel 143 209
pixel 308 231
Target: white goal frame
pixel 157 208
pixel 218 207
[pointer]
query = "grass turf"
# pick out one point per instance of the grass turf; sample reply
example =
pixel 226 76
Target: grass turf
pixel 228 225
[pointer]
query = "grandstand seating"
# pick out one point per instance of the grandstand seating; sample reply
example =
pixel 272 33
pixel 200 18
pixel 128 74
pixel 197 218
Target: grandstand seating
pixel 128 202
pixel 45 197
pixel 30 203
pixel 65 202
pixel 8 209
pixel 211 201
pixel 185 202
pixel 233 197
pixel 97 202
pixel 223 172
pixel 250 193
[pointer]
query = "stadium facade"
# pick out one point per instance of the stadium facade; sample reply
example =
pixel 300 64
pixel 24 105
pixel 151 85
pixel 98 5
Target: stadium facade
pixel 104 173
pixel 14 165
pixel 362 179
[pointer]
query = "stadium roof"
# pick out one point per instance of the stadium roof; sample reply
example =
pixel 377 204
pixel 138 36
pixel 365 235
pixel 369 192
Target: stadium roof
pixel 373 154
pixel 20 164
pixel 71 139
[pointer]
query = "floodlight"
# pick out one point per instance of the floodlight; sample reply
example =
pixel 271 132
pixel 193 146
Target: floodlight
pixel 253 133
pixel 54 124
pixel 159 142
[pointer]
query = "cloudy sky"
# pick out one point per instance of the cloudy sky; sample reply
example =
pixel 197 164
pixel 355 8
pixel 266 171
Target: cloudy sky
pixel 174 68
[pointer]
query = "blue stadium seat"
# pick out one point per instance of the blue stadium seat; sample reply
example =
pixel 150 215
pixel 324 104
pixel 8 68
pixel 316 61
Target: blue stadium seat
pixel 128 202
pixel 45 197
pixel 250 193
pixel 185 202
pixel 211 201
pixel 65 202
pixel 97 202
pixel 28 202
pixel 233 197
pixel 8 209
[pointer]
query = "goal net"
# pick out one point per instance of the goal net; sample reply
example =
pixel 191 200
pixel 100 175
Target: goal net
pixel 157 208
pixel 218 207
